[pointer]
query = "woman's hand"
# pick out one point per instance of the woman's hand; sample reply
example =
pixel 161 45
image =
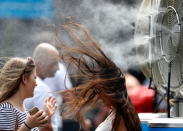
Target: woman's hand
pixel 36 120
pixel 49 106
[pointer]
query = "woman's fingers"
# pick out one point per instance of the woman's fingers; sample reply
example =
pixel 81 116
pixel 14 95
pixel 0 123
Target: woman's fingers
pixel 44 121
pixel 42 116
pixel 55 108
pixel 50 106
pixel 39 113
pixel 49 98
pixel 52 100
pixel 46 100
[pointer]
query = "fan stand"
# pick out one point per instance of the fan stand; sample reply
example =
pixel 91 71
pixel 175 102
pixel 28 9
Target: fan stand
pixel 168 90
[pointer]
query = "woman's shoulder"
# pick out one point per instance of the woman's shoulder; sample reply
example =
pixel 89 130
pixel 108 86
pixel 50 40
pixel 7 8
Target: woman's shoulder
pixel 6 109
pixel 5 105
pixel 105 126
pixel 7 113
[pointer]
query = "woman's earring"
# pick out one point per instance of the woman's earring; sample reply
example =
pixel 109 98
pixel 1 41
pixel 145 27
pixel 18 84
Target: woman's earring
pixel 111 107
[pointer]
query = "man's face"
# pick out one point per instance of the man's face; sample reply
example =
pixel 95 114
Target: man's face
pixel 51 66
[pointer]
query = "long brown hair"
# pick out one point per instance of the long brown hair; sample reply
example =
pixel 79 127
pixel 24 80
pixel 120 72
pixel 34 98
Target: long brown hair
pixel 11 75
pixel 96 70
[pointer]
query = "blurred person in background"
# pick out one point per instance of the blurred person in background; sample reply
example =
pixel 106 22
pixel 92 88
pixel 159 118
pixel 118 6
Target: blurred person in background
pixel 17 82
pixel 46 59
pixel 162 106
pixel 59 82
pixel 131 81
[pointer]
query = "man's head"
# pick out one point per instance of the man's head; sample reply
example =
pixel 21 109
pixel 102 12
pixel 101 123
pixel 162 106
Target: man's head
pixel 46 58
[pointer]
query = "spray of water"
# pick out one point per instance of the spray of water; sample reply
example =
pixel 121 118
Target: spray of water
pixel 110 23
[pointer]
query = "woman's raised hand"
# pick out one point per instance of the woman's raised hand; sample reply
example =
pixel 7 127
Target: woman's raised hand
pixel 37 119
pixel 49 106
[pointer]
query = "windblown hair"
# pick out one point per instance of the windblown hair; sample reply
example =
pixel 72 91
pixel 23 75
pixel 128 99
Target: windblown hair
pixel 96 71
pixel 11 75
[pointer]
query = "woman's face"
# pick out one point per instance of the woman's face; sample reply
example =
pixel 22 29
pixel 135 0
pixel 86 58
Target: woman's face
pixel 106 100
pixel 31 83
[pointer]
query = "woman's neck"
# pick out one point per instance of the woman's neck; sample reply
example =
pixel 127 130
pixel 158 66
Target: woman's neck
pixel 17 101
pixel 114 108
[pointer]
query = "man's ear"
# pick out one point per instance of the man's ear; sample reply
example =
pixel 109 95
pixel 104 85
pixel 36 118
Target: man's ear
pixel 38 64
pixel 24 79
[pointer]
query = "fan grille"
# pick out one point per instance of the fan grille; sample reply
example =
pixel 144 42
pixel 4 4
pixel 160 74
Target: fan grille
pixel 171 35
pixel 166 42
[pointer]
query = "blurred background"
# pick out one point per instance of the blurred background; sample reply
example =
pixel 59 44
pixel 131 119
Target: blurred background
pixel 26 23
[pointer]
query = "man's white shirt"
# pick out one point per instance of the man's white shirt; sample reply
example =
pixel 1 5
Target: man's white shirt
pixel 58 83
